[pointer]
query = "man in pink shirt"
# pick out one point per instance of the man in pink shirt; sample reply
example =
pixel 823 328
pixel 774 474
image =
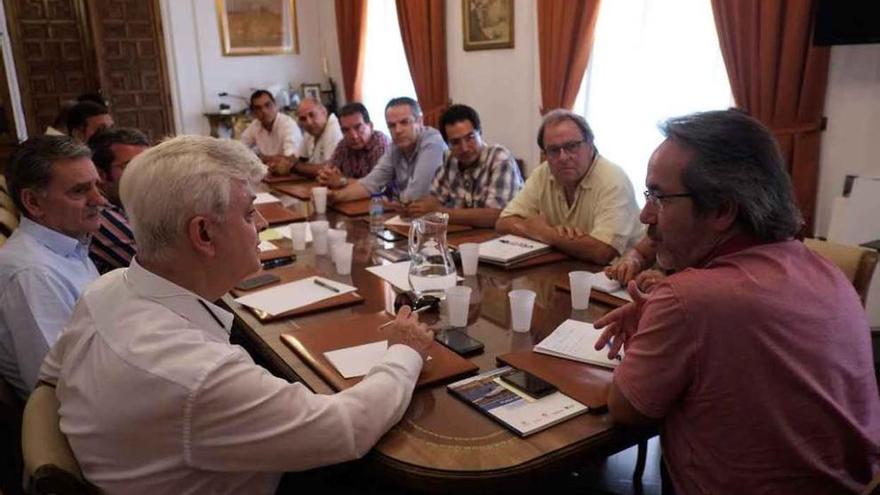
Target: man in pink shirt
pixel 754 357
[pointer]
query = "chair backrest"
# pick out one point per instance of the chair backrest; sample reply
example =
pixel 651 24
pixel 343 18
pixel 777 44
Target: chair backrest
pixel 49 464
pixel 857 263
pixel 521 164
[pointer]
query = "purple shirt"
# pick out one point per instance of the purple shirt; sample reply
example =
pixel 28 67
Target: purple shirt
pixel 358 163
pixel 760 366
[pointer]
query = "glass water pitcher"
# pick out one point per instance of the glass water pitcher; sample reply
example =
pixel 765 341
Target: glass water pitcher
pixel 431 270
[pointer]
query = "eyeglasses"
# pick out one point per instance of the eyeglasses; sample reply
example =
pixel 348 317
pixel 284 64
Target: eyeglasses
pixel 656 199
pixel 570 148
pixel 467 138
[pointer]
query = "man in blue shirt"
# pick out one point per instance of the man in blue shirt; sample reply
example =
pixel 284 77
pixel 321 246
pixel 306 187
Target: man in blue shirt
pixel 45 265
pixel 408 167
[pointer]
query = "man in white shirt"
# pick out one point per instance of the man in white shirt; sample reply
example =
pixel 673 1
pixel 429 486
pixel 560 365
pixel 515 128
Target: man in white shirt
pixel 153 397
pixel 274 136
pixel 322 136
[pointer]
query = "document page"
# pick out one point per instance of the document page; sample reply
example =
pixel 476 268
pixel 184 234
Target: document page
pixel 510 247
pixel 575 340
pixel 396 220
pixel 264 197
pixel 357 361
pixel 602 283
pixel 395 273
pixel 294 295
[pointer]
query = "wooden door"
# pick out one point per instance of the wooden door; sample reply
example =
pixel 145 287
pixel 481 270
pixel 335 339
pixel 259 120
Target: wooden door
pixel 54 57
pixel 8 136
pixel 127 35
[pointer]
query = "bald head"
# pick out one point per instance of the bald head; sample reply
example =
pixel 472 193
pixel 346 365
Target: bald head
pixel 312 116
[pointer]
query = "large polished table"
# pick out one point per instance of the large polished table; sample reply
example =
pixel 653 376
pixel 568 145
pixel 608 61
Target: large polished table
pixel 442 444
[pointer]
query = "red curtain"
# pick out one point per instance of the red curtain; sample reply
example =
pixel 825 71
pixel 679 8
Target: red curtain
pixel 565 39
pixel 780 78
pixel 423 29
pixel 351 31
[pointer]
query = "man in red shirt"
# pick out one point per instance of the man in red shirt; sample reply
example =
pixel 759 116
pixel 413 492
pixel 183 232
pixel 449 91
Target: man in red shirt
pixel 754 357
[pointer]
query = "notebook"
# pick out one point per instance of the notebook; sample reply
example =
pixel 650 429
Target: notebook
pixel 518 412
pixel 575 340
pixel 511 249
pixel 604 284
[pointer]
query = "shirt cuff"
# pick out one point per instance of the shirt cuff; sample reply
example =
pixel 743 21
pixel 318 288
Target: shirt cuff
pixel 405 355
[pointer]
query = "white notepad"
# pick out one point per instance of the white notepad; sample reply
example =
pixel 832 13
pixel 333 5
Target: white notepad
pixel 283 232
pixel 357 361
pixel 264 197
pixel 510 249
pixel 293 295
pixel 604 284
pixel 267 246
pixel 395 273
pixel 575 340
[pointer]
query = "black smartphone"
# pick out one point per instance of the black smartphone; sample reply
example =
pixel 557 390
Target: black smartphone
pixel 393 254
pixel 258 281
pixel 276 262
pixel 529 383
pixel 389 235
pixel 459 342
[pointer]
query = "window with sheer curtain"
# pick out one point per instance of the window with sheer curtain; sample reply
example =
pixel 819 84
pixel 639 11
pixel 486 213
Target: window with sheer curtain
pixel 651 60
pixel 386 73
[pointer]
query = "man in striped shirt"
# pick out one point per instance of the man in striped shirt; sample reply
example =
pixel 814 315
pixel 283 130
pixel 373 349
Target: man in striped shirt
pixel 476 180
pixel 113 245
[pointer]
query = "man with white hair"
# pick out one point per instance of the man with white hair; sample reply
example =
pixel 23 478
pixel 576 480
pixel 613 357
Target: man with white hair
pixel 153 398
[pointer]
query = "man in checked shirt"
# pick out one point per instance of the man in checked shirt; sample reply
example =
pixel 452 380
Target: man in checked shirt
pixel 476 180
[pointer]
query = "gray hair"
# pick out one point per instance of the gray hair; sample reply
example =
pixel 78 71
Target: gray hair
pixel 413 105
pixel 164 187
pixel 560 115
pixel 30 166
pixel 737 161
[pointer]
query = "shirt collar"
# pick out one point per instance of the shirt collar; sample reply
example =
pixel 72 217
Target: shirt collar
pixel 60 243
pixel 732 245
pixel 182 301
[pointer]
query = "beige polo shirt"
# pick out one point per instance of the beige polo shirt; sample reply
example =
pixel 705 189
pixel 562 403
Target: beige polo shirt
pixel 604 204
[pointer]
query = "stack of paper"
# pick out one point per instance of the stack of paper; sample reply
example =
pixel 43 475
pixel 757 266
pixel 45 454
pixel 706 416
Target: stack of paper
pixel 602 283
pixel 264 197
pixel 397 274
pixel 575 340
pixel 396 220
pixel 510 249
pixel 294 295
pixel 357 361
pixel 267 246
pixel 283 231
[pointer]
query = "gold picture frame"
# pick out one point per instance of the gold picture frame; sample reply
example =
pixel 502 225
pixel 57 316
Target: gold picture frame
pixel 257 27
pixel 487 24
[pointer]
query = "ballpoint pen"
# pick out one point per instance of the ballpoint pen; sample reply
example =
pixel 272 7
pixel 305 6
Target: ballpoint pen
pixel 423 308
pixel 325 285
pixel 609 345
pixel 286 260
pixel 515 243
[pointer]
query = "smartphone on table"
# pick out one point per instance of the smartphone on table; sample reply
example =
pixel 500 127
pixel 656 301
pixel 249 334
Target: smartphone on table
pixel 389 235
pixel 459 341
pixel 258 281
pixel 529 383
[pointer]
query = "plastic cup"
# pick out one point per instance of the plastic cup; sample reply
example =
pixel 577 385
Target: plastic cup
pixel 319 236
pixel 319 194
pixel 581 284
pixel 334 237
pixel 342 252
pixel 470 256
pixel 522 302
pixel 458 299
pixel 298 236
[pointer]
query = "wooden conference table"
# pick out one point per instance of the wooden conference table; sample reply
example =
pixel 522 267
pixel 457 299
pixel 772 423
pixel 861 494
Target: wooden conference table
pixel 442 444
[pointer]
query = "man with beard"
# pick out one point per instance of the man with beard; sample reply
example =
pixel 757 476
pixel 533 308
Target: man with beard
pixel 45 265
pixel 754 357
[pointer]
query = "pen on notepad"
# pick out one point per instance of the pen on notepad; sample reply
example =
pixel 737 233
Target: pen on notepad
pixel 324 285
pixel 423 308
pixel 514 243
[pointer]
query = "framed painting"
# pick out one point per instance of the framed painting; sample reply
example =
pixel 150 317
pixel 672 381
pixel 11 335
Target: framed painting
pixel 313 91
pixel 487 24
pixel 257 27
